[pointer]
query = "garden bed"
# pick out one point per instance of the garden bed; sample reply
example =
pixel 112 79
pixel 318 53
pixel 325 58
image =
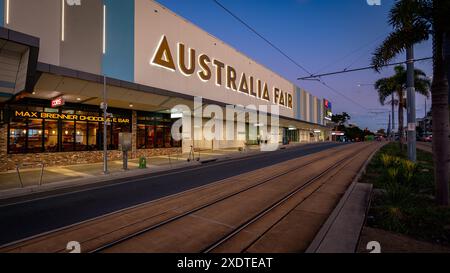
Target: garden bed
pixel 403 200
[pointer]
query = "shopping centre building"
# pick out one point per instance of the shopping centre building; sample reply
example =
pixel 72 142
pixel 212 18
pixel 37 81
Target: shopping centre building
pixel 58 56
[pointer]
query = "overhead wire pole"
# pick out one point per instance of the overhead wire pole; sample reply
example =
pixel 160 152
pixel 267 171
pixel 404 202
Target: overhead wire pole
pixel 311 75
pixel 105 139
pixel 411 105
pixel 389 126
pixel 393 117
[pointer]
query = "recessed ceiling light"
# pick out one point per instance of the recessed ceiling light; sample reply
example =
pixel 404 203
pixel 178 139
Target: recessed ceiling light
pixel 78 99
pixel 34 93
pixel 131 105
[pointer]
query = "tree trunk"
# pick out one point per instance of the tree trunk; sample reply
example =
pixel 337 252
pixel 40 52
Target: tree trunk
pixel 400 119
pixel 440 111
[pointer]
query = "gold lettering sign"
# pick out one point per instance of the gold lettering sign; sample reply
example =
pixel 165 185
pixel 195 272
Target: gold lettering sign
pixel 69 117
pixel 163 56
pixel 187 60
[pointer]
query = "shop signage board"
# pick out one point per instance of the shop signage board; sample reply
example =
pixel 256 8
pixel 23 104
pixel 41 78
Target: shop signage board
pixel 195 63
pixel 69 117
pixel 58 102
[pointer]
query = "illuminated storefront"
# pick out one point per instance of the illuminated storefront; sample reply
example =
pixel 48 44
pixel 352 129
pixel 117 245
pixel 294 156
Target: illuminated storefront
pixel 149 60
pixel 41 129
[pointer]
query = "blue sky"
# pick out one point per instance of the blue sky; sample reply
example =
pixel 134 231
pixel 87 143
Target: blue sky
pixel 321 35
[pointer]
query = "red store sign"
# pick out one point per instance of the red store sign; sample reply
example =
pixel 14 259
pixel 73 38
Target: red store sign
pixel 57 102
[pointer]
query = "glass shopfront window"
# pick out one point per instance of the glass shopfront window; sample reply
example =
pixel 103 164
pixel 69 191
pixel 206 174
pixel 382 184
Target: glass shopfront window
pixel 92 136
pixel 35 129
pixel 35 136
pixel 51 136
pixel 167 137
pixel 141 137
pixel 150 136
pixel 81 141
pixel 114 140
pixel 159 137
pixel 68 136
pixel 146 137
pixel 112 136
pixel 17 137
pixel 155 131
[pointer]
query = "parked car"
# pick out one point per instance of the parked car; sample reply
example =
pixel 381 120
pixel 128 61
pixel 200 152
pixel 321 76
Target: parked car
pixel 427 138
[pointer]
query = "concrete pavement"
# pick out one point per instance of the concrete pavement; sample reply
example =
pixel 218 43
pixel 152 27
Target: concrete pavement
pixel 229 203
pixel 31 177
pixel 24 218
pixel 65 177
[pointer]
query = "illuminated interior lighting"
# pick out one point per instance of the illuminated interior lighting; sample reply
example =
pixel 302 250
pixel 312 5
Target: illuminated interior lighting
pixel 104 29
pixel 7 12
pixel 63 15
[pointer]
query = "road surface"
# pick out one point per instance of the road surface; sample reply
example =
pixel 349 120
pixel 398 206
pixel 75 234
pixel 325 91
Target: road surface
pixel 22 220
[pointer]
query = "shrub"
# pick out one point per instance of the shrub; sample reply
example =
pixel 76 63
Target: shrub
pixel 386 160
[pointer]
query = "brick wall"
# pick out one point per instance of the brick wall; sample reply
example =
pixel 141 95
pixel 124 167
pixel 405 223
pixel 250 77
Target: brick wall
pixel 8 162
pixel 3 145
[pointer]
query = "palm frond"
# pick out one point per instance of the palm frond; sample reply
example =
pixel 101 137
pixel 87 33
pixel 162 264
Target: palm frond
pixel 387 51
pixel 411 25
pixel 385 87
pixel 406 14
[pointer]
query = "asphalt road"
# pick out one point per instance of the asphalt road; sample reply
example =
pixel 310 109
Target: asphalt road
pixel 22 220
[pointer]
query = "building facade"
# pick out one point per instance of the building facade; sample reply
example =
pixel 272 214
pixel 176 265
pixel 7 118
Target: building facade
pixel 57 57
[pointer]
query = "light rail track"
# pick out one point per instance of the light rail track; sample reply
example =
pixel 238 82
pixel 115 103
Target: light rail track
pixel 262 213
pixel 335 167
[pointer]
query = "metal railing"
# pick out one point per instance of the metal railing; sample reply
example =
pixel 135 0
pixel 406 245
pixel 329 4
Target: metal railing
pixel 177 157
pixel 39 163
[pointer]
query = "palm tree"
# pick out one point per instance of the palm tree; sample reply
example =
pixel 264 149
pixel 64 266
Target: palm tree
pixel 397 84
pixel 413 22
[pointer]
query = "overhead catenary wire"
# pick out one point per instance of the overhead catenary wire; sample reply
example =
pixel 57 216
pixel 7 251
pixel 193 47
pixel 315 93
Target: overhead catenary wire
pixel 351 53
pixel 284 54
pixel 262 37
pixel 358 69
pixel 340 93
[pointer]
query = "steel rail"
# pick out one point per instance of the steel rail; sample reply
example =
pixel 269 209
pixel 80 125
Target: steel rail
pixel 278 204
pixel 184 214
pixel 42 236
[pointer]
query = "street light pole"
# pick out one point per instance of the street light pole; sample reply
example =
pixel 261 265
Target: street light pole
pixel 105 144
pixel 425 118
pixel 389 126
pixel 411 104
pixel 393 117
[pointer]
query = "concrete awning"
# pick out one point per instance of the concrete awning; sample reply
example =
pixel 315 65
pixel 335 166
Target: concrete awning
pixel 18 58
pixel 84 88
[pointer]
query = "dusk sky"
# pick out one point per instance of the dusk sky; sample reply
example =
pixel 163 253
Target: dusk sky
pixel 321 35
